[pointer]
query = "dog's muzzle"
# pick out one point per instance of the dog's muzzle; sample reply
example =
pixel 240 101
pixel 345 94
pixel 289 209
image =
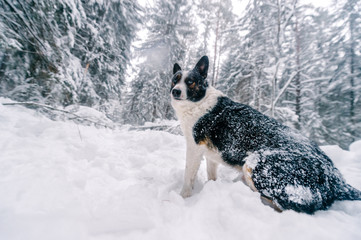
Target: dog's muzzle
pixel 176 94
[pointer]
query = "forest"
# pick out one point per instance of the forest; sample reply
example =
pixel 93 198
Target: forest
pixel 291 60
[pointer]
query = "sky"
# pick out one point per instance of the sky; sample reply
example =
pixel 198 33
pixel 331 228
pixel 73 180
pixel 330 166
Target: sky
pixel 241 4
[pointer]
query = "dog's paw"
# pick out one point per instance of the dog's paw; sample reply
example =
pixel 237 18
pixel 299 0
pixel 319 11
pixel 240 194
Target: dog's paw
pixel 186 192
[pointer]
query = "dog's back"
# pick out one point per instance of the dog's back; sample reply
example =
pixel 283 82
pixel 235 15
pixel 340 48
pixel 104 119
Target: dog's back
pixel 285 166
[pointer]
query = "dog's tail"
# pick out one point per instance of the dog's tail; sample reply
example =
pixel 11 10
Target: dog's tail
pixel 349 193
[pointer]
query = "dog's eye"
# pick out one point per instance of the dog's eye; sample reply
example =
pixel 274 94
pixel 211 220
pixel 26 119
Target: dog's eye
pixel 190 82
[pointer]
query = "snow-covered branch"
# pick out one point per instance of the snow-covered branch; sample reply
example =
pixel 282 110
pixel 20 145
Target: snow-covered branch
pixel 70 115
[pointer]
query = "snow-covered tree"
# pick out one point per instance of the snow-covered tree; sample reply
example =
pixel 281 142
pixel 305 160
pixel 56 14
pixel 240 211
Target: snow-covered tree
pixel 62 52
pixel 341 101
pixel 169 25
pixel 300 65
pixel 261 54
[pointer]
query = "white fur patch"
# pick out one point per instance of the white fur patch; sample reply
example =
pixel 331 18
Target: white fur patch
pixel 189 112
pixel 181 85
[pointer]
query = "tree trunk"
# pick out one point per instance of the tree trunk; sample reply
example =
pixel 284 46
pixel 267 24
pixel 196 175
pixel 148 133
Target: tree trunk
pixel 215 46
pixel 352 69
pixel 277 56
pixel 298 74
pixel 219 61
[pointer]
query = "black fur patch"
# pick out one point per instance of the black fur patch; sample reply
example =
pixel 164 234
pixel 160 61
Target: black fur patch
pixel 289 169
pixel 196 86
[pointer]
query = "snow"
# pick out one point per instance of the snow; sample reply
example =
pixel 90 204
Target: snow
pixel 121 184
pixel 252 160
pixel 299 194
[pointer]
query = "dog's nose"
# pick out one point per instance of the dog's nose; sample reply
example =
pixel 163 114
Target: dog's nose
pixel 176 93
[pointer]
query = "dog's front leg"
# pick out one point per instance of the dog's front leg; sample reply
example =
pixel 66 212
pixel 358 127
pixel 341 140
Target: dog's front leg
pixel 193 161
pixel 211 170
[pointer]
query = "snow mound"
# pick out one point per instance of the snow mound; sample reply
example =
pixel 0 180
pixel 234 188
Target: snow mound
pixel 62 181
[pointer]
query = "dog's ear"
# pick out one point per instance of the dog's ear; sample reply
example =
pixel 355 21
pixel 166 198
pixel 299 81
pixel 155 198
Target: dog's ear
pixel 176 68
pixel 202 66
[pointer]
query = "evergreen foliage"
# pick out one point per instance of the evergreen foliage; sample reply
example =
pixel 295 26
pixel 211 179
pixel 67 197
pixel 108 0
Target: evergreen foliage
pixel 63 52
pixel 169 28
pixel 300 65
pixel 294 62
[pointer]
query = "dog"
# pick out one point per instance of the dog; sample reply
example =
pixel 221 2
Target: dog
pixel 288 170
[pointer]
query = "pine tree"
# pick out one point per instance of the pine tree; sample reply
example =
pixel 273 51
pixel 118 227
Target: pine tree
pixel 339 105
pixel 262 53
pixel 169 26
pixel 315 43
pixel 65 52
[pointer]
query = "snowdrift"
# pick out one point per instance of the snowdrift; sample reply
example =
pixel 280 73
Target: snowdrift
pixel 59 180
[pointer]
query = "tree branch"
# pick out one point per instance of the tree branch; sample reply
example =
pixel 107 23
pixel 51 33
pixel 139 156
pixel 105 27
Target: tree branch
pixel 74 116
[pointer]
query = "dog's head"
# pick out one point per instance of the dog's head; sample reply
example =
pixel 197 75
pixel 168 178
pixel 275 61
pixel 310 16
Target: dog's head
pixel 190 85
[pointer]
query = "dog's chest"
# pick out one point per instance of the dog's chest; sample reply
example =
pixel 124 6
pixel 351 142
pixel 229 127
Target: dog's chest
pixel 187 123
pixel 188 113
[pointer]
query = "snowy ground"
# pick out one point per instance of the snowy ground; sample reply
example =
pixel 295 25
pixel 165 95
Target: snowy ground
pixel 116 184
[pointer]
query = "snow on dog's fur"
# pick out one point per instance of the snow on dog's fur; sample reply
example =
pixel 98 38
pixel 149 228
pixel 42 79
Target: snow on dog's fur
pixel 288 170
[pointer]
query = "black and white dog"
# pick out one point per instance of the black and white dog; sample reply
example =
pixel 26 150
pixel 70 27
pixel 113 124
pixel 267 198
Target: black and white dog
pixel 288 170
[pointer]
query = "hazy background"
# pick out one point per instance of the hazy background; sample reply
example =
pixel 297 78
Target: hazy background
pixel 297 62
